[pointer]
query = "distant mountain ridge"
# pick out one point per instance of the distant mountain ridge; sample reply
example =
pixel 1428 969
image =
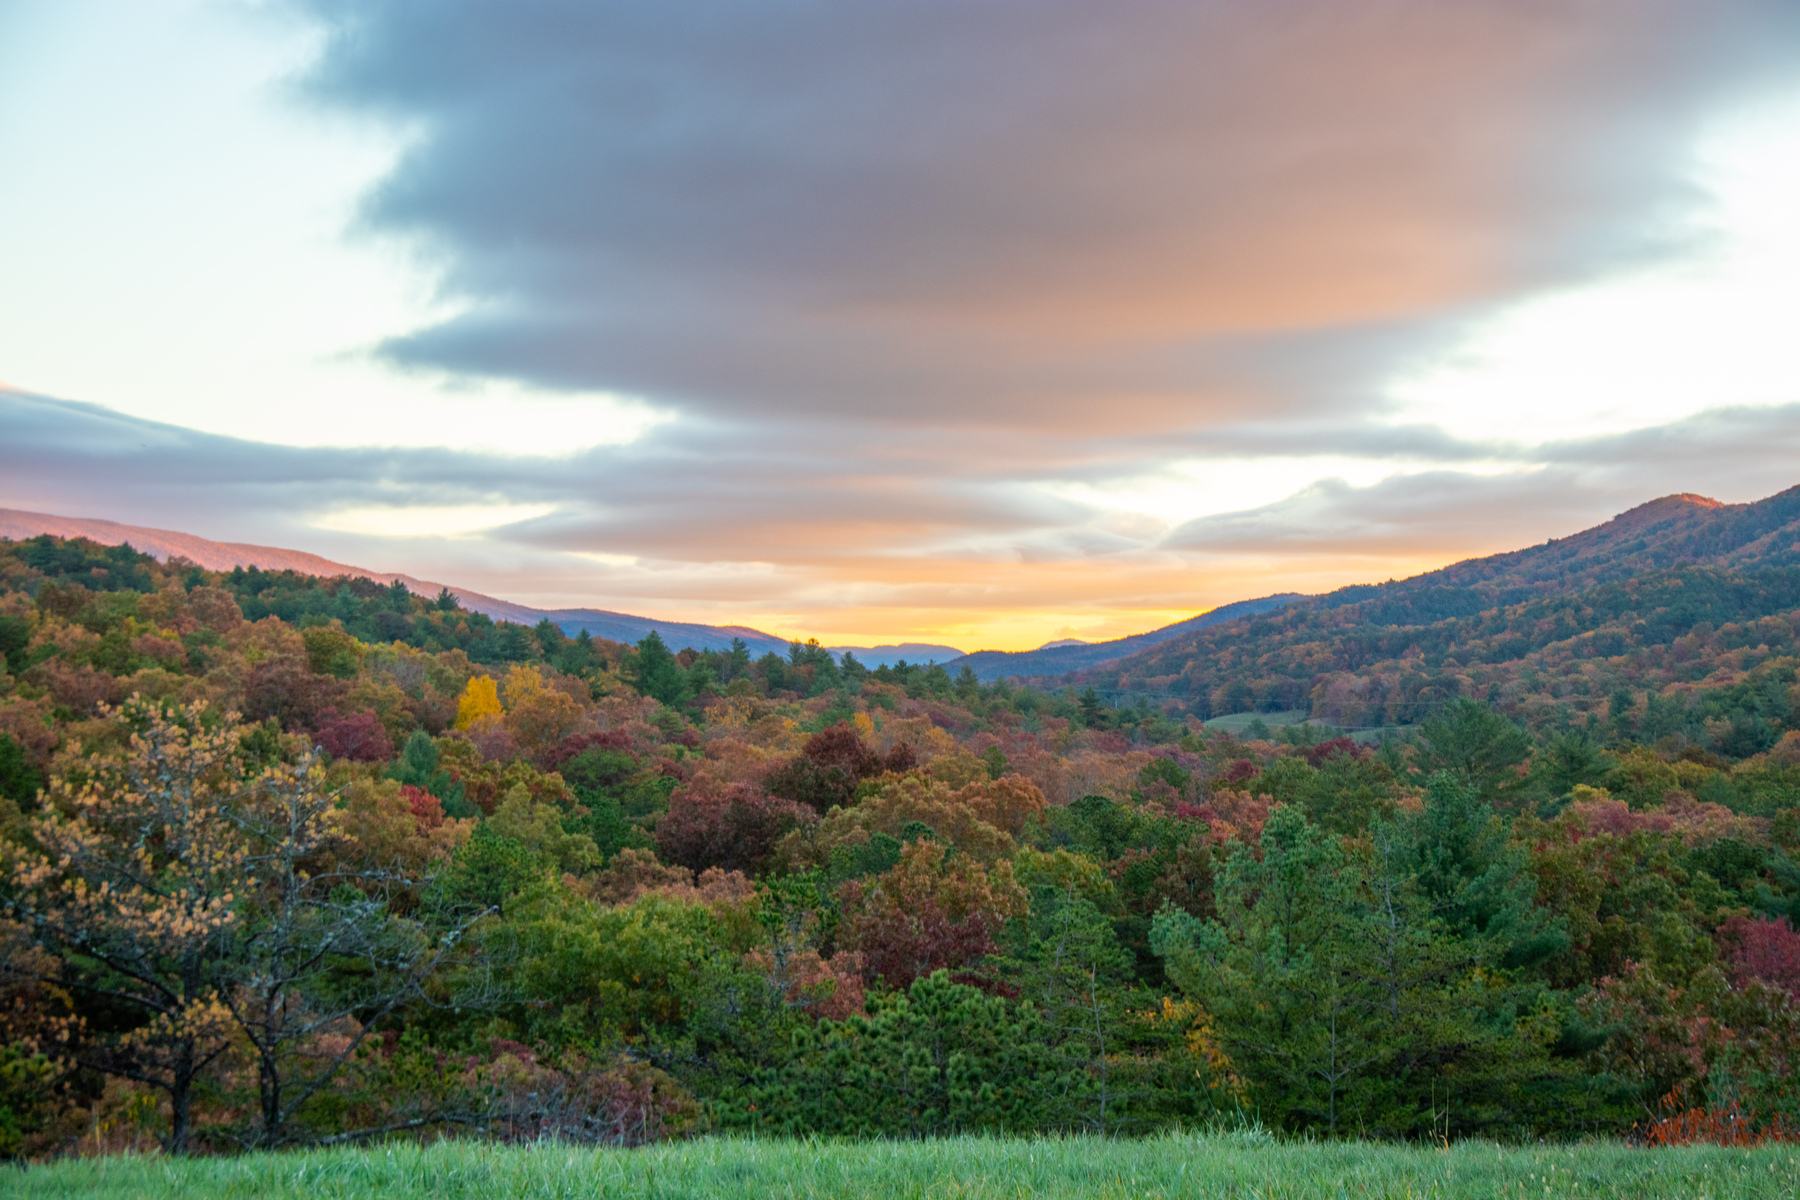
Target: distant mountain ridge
pixel 1490 610
pixel 990 665
pixel 1683 529
pixel 619 627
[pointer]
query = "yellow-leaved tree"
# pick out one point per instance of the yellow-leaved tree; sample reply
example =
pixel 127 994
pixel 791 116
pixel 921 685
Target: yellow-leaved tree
pixel 481 698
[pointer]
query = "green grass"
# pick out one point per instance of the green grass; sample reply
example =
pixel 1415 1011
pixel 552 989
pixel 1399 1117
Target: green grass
pixel 1238 722
pixel 966 1169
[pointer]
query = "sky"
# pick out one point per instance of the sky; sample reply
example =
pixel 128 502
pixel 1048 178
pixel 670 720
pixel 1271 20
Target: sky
pixel 978 322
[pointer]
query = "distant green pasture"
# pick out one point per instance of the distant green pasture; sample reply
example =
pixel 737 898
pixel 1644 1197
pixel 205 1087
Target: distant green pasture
pixel 1238 722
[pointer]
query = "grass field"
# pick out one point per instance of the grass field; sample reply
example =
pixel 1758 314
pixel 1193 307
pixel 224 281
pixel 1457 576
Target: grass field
pixel 974 1168
pixel 1237 723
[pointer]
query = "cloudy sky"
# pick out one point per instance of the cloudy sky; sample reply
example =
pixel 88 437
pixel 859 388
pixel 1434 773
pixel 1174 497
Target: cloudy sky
pixel 973 321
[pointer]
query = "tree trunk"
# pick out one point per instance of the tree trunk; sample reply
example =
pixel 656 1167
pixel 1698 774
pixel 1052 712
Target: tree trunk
pixel 270 1136
pixel 181 1106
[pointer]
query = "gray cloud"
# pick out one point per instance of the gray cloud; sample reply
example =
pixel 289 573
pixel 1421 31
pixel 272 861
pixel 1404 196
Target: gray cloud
pixel 1404 515
pixel 700 493
pixel 963 213
pixel 1730 454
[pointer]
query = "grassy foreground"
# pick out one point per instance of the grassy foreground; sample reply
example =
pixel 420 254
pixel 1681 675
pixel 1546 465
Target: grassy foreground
pixel 1220 1166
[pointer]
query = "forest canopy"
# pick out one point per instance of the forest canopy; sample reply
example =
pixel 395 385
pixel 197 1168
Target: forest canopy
pixel 293 860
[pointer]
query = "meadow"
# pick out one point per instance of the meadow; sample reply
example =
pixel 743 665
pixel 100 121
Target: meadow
pixel 964 1168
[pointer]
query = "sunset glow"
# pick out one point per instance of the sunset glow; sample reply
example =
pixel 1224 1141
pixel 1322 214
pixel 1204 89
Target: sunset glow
pixel 894 343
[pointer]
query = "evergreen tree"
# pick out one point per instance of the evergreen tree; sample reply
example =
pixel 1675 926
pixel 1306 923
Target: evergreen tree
pixel 1471 873
pixel 1477 745
pixel 1279 971
pixel 19 780
pixel 655 672
pixel 1355 989
pixel 937 1060
pixel 738 660
pixel 418 766
pixel 1066 960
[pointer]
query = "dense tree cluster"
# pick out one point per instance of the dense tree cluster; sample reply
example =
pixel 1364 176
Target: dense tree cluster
pixel 293 860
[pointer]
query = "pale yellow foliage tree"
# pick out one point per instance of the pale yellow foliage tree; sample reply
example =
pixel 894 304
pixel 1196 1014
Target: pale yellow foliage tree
pixel 144 870
pixel 978 820
pixel 538 827
pixel 177 879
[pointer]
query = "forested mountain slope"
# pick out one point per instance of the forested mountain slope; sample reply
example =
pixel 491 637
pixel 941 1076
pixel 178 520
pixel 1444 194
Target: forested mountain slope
pixel 990 665
pixel 1681 530
pixel 164 544
pixel 1565 623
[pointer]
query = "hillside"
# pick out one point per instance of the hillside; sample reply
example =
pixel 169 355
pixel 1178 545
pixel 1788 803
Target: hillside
pixel 1683 530
pixel 1679 530
pixel 990 665
pixel 1565 622
pixel 164 544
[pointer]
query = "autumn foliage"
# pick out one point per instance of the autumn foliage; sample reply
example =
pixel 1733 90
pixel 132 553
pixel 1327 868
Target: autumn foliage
pixel 735 829
pixel 294 860
pixel 933 911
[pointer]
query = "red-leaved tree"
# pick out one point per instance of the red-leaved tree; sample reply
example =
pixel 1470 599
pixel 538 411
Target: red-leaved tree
pixel 358 736
pixel 1761 949
pixel 929 912
pixel 426 808
pixel 825 773
pixel 734 829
